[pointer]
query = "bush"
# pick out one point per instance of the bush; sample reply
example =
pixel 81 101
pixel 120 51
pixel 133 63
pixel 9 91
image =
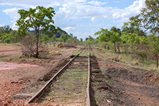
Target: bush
pixel 29 47
pixel 125 48
pixel 140 54
pixel 105 45
pixel 7 38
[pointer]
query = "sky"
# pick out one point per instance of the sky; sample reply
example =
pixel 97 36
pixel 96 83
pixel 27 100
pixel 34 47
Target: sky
pixel 79 17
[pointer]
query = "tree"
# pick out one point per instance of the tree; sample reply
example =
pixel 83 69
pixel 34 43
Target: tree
pixel 71 35
pixel 149 20
pixel 112 36
pixel 115 38
pixel 7 38
pixel 103 35
pixel 81 40
pixel 5 29
pixel 133 26
pixel 114 29
pixel 8 35
pixel 153 44
pixel 150 16
pixel 132 39
pixel 39 19
pixel 64 37
pixel 88 41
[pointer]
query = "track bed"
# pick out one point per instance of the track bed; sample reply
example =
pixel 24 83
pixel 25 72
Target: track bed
pixel 70 87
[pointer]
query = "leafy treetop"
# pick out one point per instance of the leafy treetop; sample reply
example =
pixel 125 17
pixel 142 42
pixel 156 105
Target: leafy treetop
pixel 39 19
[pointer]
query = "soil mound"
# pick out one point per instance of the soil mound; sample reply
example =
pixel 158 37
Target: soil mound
pixel 135 87
pixel 139 76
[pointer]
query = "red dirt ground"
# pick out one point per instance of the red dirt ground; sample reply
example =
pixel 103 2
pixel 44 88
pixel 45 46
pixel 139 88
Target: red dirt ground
pixel 16 72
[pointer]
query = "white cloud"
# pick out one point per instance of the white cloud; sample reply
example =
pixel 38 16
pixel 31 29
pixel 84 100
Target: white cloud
pixel 80 0
pixel 124 14
pixel 77 10
pixel 136 6
pixel 96 3
pixel 93 19
pixel 80 11
pixel 14 27
pixel 62 18
pixel 67 29
pixel 12 13
pixel 105 17
pixel 32 3
pixel 116 15
pixel 83 35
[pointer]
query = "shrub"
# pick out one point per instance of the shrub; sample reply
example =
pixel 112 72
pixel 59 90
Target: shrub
pixel 29 47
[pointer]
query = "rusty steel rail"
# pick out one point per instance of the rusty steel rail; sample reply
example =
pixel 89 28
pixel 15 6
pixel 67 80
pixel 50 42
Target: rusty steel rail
pixel 88 103
pixel 43 89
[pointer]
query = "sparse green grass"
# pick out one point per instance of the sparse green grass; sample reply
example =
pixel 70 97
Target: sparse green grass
pixel 82 53
pixel 51 93
pixel 75 53
pixel 11 44
pixel 68 84
pixel 128 61
pixel 45 57
pixel 14 59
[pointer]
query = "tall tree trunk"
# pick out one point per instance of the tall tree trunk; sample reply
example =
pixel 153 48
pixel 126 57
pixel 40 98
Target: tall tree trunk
pixel 37 43
pixel 115 47
pixel 118 47
pixel 156 55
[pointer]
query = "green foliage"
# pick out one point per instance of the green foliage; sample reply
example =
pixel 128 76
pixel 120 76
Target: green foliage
pixel 153 45
pixel 11 37
pixel 143 40
pixel 133 36
pixel 147 19
pixel 73 40
pixel 64 37
pixel 112 36
pixel 7 38
pixel 133 26
pixel 153 42
pixel 68 38
pixel 114 29
pixel 90 41
pixel 81 40
pixel 40 19
pixel 44 39
pixel 150 15
pixel 130 38
pixel 5 29
pixel 4 33
pixel 141 54
pixel 105 45
pixel 103 35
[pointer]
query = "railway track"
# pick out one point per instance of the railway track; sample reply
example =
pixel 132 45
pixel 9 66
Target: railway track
pixel 69 86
